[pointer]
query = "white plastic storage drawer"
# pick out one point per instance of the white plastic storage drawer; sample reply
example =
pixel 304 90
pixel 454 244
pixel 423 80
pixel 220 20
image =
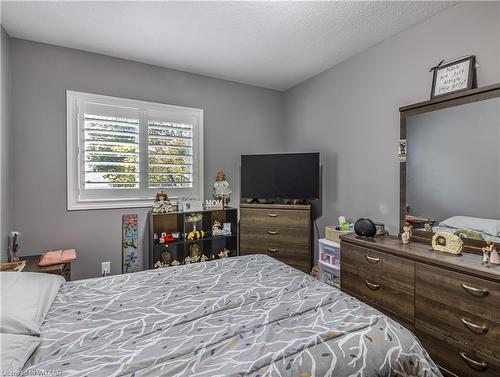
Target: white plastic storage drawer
pixel 329 274
pixel 329 262
pixel 329 252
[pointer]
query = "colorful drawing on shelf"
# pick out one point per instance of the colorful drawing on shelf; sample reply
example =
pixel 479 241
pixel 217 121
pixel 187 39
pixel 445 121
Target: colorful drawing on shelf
pixel 129 244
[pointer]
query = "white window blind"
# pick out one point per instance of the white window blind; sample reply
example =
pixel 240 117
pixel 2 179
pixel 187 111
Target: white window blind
pixel 121 151
pixel 111 152
pixel 170 154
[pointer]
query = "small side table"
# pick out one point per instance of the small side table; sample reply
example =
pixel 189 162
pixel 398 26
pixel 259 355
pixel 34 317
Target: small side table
pixel 63 269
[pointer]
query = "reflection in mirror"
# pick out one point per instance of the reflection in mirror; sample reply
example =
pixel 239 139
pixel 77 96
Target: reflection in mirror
pixel 453 170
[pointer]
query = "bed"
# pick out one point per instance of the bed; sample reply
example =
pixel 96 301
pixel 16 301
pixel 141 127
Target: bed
pixel 241 316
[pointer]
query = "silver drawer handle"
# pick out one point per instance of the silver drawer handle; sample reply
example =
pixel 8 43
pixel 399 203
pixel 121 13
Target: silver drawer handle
pixel 272 214
pixel 372 259
pixel 372 286
pixel 479 292
pixel 478 329
pixel 477 365
pixel 272 232
pixel 272 250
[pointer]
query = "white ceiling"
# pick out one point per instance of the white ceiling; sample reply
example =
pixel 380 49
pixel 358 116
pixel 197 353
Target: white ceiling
pixel 270 44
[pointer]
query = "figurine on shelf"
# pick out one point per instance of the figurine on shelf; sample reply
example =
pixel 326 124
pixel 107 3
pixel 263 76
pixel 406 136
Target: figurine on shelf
pixel 195 252
pixel 315 273
pixel 159 264
pixel 188 260
pixel 166 257
pixel 494 256
pixel 216 228
pixel 175 263
pixel 162 203
pixel 222 190
pixel 224 253
pixel 407 231
pixel 203 258
pixel 487 251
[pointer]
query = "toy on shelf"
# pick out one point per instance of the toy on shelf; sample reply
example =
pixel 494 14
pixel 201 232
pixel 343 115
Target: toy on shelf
pixel 175 263
pixel 195 252
pixel 162 203
pixel 224 253
pixel 159 264
pixel 165 237
pixel 226 230
pixel 490 254
pixel 195 234
pixel 222 191
pixel 216 228
pixel 407 232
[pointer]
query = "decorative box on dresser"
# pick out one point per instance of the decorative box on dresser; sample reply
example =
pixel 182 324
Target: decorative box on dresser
pixel 278 230
pixel 452 303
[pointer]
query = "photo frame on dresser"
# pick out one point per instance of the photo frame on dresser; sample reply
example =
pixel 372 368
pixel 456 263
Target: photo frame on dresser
pixel 456 108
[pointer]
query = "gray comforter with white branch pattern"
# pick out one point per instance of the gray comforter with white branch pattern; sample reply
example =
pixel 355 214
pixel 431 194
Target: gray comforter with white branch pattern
pixel 243 316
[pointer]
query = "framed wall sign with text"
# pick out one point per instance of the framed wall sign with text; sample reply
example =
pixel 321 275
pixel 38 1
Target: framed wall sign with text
pixel 454 76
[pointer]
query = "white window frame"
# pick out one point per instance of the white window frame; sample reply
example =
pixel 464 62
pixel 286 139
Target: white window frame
pixel 145 196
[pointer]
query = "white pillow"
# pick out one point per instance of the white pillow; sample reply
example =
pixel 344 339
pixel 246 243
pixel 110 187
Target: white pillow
pixel 25 300
pixel 16 350
pixel 488 226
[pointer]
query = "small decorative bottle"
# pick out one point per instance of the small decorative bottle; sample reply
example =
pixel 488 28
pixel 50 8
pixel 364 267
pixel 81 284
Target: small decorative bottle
pixel 14 246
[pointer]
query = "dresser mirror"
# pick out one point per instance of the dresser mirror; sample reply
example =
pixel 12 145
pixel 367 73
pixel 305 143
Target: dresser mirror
pixel 450 181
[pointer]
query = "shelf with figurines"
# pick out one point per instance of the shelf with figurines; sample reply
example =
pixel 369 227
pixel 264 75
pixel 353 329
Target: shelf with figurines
pixel 195 234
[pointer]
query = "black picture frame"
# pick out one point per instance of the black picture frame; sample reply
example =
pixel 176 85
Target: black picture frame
pixel 471 75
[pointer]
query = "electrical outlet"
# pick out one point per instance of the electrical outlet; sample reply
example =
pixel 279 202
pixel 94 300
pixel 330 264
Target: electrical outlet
pixel 105 268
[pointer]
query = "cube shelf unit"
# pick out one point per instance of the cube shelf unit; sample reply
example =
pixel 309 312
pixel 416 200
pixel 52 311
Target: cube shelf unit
pixel 180 249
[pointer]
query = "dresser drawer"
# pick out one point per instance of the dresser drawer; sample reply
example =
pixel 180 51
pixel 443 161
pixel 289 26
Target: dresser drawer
pixel 265 218
pixel 381 266
pixel 473 295
pixel 274 236
pixel 471 330
pixel 294 256
pixel 385 294
pixel 461 361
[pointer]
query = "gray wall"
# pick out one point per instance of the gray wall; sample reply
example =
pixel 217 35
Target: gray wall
pixel 350 112
pixel 238 119
pixel 453 164
pixel 6 161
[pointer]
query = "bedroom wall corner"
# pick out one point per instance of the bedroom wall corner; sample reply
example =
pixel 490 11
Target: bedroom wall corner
pixel 350 112
pixel 6 151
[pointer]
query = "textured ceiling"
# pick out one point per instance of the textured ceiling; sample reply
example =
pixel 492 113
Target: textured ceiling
pixel 270 44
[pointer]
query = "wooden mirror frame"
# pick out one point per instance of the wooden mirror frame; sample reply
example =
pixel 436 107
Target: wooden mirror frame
pixel 451 100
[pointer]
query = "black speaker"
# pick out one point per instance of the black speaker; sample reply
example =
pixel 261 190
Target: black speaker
pixel 365 228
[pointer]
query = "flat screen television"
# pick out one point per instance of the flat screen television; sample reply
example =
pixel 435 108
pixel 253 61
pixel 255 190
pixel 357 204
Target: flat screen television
pixel 280 176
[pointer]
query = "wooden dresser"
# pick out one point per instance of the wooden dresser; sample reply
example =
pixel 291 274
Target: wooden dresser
pixel 278 230
pixel 452 303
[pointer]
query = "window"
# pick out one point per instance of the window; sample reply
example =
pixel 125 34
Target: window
pixel 121 151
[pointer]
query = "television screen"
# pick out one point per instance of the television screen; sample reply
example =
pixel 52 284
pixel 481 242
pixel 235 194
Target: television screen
pixel 280 176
